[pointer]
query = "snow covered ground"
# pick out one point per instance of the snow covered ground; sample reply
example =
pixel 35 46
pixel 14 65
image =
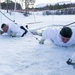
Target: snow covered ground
pixel 25 56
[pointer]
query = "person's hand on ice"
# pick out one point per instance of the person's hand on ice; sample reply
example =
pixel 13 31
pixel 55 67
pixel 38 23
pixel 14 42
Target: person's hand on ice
pixel 41 41
pixel 13 35
pixel 1 32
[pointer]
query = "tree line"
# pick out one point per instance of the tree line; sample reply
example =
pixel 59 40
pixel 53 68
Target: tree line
pixel 56 6
pixel 66 11
pixel 58 9
pixel 10 6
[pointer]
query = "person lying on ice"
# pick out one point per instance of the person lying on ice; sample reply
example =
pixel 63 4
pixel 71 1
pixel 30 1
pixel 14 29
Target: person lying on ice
pixel 14 30
pixel 61 37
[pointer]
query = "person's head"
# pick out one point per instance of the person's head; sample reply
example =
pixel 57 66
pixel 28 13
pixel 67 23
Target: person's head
pixel 4 27
pixel 66 34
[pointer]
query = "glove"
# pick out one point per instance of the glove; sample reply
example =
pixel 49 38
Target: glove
pixel 41 41
pixel 1 32
pixel 13 35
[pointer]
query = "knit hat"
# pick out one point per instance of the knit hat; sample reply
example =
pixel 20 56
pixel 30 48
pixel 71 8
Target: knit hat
pixel 66 32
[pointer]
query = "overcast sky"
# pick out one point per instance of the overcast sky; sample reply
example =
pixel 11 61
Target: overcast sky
pixel 51 1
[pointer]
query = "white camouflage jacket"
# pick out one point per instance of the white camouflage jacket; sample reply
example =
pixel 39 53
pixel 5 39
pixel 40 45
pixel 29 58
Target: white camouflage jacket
pixel 15 30
pixel 53 34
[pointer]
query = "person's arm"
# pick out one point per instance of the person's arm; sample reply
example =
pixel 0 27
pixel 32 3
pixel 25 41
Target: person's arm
pixel 16 34
pixel 43 37
pixel 47 34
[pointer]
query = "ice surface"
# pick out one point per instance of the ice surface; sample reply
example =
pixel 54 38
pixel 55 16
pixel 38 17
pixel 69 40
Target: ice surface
pixel 25 56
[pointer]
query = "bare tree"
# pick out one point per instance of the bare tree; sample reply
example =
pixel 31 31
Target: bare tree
pixel 27 4
pixel 15 6
pixel 0 4
pixel 7 1
pixel 22 1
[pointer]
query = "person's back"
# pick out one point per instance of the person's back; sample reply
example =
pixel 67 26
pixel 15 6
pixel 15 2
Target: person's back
pixel 15 30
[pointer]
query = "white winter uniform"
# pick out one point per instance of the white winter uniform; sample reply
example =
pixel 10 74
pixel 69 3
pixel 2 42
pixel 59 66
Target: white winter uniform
pixel 15 30
pixel 53 34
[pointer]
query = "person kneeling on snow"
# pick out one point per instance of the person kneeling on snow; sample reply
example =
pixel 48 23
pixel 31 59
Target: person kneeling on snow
pixel 61 37
pixel 14 30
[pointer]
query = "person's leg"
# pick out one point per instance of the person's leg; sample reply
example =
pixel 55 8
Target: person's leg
pixel 34 32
